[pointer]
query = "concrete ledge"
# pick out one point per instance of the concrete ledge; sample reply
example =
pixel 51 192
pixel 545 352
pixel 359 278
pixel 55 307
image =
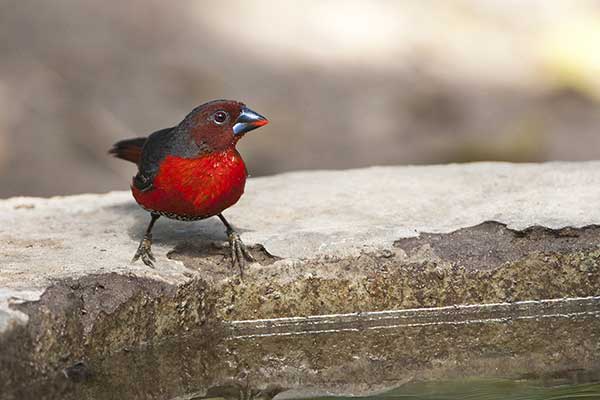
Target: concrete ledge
pixel 386 240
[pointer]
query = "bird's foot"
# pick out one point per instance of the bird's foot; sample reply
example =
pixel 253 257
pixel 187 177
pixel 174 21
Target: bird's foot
pixel 239 253
pixel 144 252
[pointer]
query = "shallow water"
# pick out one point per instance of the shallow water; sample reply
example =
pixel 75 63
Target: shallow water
pixel 463 389
pixel 482 389
pixel 546 350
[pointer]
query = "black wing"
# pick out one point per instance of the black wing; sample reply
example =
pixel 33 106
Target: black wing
pixel 170 141
pixel 155 149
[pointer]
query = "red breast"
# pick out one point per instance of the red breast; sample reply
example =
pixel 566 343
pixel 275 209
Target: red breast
pixel 196 188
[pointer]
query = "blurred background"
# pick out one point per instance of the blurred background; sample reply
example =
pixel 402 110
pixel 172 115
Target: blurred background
pixel 345 83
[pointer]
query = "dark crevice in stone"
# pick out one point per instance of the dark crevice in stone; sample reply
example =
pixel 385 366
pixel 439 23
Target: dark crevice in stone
pixel 491 244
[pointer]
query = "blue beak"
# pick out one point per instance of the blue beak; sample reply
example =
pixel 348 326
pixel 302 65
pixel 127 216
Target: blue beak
pixel 247 121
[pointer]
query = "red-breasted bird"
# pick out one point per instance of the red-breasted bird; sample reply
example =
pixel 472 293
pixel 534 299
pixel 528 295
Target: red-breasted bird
pixel 192 171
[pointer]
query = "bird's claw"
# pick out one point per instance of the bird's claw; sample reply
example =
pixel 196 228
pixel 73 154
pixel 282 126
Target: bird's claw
pixel 239 253
pixel 144 252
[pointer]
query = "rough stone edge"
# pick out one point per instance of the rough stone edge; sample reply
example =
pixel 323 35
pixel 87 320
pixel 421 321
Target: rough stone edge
pixel 54 342
pixel 11 316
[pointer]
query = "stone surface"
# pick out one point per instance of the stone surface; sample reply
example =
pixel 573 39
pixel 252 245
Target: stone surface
pixel 383 239
pixel 298 215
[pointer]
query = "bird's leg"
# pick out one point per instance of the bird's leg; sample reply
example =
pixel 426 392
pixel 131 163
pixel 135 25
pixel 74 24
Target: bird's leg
pixel 239 253
pixel 145 248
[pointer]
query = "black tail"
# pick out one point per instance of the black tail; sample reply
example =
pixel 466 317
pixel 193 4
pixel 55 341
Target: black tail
pixel 129 149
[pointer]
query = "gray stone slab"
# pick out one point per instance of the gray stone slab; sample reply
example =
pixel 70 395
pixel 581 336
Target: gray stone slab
pixel 297 215
pixel 333 247
pixel 294 216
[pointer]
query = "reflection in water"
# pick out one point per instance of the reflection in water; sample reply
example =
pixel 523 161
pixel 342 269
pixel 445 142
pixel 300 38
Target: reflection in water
pixel 532 353
pixel 468 389
pixel 492 389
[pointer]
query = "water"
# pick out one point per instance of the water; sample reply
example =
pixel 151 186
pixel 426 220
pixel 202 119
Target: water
pixel 525 350
pixel 482 389
pixel 465 389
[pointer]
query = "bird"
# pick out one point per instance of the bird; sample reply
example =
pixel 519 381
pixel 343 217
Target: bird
pixel 192 171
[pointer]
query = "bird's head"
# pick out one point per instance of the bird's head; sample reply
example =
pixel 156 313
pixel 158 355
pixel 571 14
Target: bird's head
pixel 219 124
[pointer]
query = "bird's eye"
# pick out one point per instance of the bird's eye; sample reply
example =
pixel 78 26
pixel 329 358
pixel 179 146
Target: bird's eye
pixel 219 117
